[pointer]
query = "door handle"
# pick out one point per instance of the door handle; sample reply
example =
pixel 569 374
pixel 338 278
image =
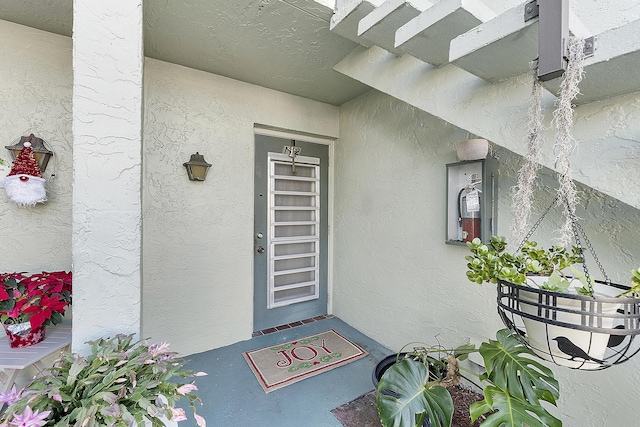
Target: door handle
pixel 260 249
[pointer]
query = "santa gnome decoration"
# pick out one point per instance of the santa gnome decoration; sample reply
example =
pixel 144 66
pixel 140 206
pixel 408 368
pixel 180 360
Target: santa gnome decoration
pixel 24 184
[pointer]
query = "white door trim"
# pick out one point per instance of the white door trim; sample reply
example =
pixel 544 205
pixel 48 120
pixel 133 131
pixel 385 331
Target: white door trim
pixel 260 129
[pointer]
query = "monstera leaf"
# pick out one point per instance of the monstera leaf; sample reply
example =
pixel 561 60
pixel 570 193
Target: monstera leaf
pixel 412 397
pixel 518 383
pixel 509 411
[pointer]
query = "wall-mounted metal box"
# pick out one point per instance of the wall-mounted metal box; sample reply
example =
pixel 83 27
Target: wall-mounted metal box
pixel 472 197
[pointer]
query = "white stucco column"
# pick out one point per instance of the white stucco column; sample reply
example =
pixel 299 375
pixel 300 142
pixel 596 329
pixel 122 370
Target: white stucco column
pixel 107 160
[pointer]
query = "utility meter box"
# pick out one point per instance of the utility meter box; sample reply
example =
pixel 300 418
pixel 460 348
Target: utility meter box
pixel 472 197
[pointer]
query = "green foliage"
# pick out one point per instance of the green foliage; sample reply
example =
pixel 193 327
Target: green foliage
pixel 585 289
pixel 556 258
pixel 490 263
pixel 119 384
pixel 556 283
pixel 512 366
pixel 634 291
pixel 515 384
pixel 510 411
pixel 418 397
pixel 462 352
pixel 635 278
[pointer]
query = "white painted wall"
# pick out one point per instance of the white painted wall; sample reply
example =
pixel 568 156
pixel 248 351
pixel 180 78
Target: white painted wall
pixel 609 129
pixel 198 236
pixel 106 243
pixel 397 281
pixel 35 89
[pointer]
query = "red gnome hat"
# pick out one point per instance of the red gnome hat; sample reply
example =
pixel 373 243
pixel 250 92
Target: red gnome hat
pixel 25 163
pixel 24 184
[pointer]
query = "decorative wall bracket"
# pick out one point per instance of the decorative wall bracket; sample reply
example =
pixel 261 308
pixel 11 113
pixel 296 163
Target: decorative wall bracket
pixel 553 36
pixel 292 151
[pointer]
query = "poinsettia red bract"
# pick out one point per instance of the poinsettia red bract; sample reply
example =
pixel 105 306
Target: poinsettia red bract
pixel 38 298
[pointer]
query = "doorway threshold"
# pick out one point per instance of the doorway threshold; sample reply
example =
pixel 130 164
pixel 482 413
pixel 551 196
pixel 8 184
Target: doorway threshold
pixel 290 325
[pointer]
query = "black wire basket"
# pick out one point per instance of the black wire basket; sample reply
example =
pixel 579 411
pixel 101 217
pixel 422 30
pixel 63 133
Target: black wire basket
pixel 576 331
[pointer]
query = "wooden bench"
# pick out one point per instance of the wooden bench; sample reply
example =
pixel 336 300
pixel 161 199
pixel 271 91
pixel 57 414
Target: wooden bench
pixel 13 360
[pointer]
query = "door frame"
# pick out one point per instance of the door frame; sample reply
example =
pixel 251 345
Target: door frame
pixel 316 139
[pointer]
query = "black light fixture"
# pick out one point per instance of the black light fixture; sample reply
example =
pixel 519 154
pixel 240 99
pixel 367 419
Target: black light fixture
pixel 197 167
pixel 40 152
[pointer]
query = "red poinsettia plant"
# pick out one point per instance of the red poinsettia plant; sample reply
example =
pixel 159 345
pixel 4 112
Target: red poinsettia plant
pixel 37 298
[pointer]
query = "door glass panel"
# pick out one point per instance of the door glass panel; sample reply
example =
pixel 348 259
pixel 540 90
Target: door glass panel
pixel 294 263
pixel 294 201
pixel 300 186
pixel 294 248
pixel 302 171
pixel 289 215
pixel 294 230
pixel 296 294
pixel 293 278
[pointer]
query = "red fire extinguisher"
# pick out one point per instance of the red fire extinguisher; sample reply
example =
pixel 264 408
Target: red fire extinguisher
pixel 469 213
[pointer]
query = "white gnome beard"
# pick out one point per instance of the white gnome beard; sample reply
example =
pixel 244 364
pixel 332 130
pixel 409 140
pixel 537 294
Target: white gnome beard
pixel 25 192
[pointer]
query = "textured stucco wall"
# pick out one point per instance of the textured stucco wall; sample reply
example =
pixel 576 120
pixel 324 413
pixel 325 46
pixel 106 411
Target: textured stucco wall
pixel 198 236
pixel 35 89
pixel 107 169
pixel 608 129
pixel 396 280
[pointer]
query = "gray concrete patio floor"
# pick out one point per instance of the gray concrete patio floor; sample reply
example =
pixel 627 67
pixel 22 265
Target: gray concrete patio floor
pixel 232 396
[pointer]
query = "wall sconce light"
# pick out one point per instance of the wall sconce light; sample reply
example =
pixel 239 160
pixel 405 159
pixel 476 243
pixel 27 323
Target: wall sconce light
pixel 197 167
pixel 40 152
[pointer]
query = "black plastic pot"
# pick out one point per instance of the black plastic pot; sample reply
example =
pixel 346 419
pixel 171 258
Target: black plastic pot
pixel 381 368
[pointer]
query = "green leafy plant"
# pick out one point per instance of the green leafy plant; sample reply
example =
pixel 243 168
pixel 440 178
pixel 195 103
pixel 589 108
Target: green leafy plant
pixel 634 290
pixel 515 384
pixel 556 283
pixel 121 383
pixel 491 262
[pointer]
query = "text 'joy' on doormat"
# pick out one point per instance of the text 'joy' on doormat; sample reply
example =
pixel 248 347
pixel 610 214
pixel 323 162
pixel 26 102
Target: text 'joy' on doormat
pixel 283 364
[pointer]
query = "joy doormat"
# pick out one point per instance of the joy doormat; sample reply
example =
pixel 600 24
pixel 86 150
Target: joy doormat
pixel 283 364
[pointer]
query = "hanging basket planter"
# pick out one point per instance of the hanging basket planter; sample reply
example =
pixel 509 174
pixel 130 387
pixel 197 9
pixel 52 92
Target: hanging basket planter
pixel 593 326
pixel 576 331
